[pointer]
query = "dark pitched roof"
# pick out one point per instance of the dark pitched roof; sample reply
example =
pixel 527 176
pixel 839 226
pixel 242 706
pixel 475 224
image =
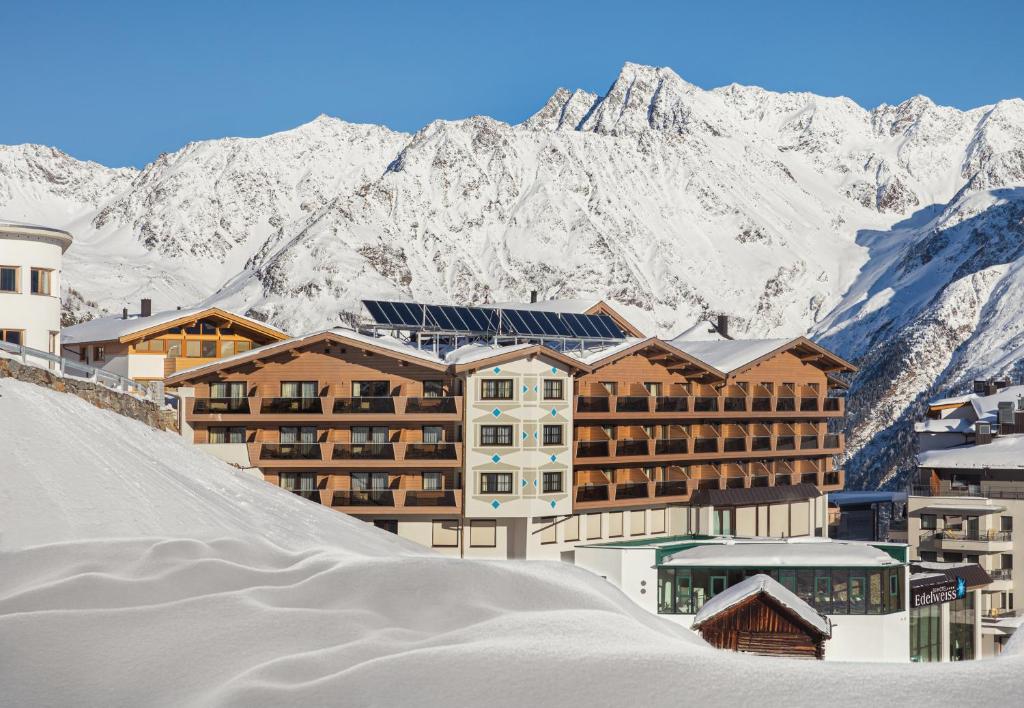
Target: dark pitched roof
pixel 755 495
pixel 972 573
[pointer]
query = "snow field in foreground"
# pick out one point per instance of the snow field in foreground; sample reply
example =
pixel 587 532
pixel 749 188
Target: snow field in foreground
pixel 138 571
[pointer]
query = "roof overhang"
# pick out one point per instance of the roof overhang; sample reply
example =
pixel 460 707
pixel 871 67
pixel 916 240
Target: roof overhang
pixel 525 353
pixel 603 308
pixel 686 364
pixel 964 507
pixel 808 352
pixel 240 322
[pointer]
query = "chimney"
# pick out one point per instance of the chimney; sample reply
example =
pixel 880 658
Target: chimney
pixel 533 296
pixel 147 307
pixel 723 326
pixel 124 313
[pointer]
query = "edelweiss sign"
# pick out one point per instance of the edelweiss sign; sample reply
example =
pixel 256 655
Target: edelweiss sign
pixel 945 591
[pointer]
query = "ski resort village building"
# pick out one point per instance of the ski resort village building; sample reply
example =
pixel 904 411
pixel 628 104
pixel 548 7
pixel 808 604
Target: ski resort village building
pixel 968 497
pixel 521 433
pixel 149 346
pixel 30 278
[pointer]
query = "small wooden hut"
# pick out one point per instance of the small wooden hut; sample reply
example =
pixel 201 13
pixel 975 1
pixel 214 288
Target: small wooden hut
pixel 760 616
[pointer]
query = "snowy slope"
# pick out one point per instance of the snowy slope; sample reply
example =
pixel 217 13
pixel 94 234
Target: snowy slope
pixel 892 234
pixel 138 571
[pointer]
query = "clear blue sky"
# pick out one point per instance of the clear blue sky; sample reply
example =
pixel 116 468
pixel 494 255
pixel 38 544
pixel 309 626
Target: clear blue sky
pixel 121 82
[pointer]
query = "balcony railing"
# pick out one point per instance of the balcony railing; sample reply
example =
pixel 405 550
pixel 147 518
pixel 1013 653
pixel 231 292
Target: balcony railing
pixel 832 479
pixel 221 405
pixel 760 443
pixel 371 497
pixel 364 404
pixel 430 451
pixel 312 495
pixel 363 451
pixel 986 535
pixel 735 404
pixel 431 497
pixel 761 405
pixel 292 405
pixel 430 405
pixel 592 493
pixel 672 404
pixel 592 448
pixel 633 404
pixel 831 441
pixel 631 447
pixel 785 442
pixel 735 445
pixel 631 490
pixel 785 405
pixel 705 404
pixel 832 404
pixel 592 404
pixel 808 442
pixel 705 445
pixel 290 451
pixel 670 446
pixel 674 488
pixel 809 478
pixel 808 404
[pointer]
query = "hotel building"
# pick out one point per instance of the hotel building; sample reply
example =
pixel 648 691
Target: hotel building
pixel 501 433
pixel 968 495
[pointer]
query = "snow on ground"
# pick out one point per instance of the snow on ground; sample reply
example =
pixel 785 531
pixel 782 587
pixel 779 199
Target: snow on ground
pixel 135 570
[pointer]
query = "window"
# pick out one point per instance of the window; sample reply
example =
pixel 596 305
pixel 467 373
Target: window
pixel 369 481
pixel 552 482
pixel 653 388
pixel 242 347
pixel 929 556
pixel 227 435
pixel 192 347
pixel 928 522
pixel 12 336
pixel 433 389
pixel 496 389
pixel 8 279
pixel 294 434
pixel 370 389
pixel 174 348
pixel 483 533
pixel 208 349
pixel 615 524
pixel 99 354
pixel 1006 523
pixel 433 480
pixel 389 525
pixel 610 387
pixel 552 434
pixel 227 389
pixel 298 481
pixel 40 281
pixel 496 482
pixel 552 389
pixel 298 389
pixel 227 347
pixel 364 434
pixel 432 433
pixel 445 533
pixel 496 435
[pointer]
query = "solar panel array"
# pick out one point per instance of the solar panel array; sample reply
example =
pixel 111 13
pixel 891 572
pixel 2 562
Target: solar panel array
pixel 487 321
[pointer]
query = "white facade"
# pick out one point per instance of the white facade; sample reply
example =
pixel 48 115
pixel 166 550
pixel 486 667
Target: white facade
pixel 35 316
pixel 863 637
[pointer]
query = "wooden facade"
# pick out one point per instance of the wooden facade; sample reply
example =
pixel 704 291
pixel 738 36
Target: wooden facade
pixel 761 625
pixel 651 424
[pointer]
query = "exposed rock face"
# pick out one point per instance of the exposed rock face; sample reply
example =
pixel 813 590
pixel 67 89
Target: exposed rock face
pixel 793 212
pixel 121 403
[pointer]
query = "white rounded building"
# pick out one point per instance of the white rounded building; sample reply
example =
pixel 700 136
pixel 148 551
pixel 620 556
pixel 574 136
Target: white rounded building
pixel 30 271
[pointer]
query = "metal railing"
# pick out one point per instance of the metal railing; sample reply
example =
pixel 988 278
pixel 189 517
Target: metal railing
pixel 68 368
pixel 1001 574
pixel 984 535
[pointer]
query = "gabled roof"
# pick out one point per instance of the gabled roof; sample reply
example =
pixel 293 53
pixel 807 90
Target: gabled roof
pixel 733 356
pixel 386 346
pixel 764 585
pixel 604 357
pixel 479 357
pixel 118 329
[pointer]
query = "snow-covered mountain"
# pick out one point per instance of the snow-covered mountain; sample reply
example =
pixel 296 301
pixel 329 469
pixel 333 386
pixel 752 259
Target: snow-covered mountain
pixel 893 235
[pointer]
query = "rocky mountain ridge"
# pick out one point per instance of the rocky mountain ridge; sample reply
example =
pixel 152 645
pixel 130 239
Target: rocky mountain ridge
pixel 893 234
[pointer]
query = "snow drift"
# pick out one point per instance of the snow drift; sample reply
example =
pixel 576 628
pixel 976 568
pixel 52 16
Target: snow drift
pixel 138 571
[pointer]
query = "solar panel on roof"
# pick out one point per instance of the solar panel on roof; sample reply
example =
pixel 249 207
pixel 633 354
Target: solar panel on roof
pixel 607 325
pixel 437 315
pixel 376 311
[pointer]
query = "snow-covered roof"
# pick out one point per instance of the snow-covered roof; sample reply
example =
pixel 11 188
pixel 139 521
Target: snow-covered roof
pixel 944 425
pixel 106 329
pixel 595 354
pixel 971 505
pixel 755 585
pixel 776 553
pixel 952 400
pixel 63 237
pixel 986 407
pixel 728 354
pixel 1004 452
pixel 703 331
pixel 476 352
pixel 576 306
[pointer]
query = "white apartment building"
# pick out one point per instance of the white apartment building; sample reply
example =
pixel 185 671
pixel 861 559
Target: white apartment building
pixel 30 280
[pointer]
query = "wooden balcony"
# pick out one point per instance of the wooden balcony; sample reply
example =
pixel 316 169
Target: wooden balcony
pixel 650 451
pixel 751 407
pixel 626 494
pixel 337 455
pixel 255 410
pixel 393 501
